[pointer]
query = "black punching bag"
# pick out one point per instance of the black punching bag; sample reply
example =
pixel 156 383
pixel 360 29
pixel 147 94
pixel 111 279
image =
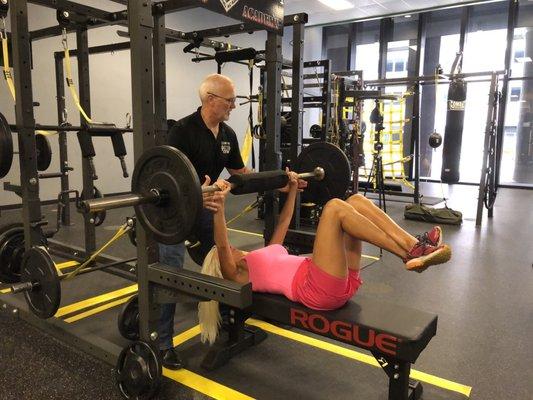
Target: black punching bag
pixel 453 133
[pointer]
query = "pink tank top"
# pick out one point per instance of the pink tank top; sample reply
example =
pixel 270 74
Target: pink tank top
pixel 272 269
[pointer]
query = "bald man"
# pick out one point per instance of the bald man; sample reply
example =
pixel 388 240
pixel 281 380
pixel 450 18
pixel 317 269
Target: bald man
pixel 211 145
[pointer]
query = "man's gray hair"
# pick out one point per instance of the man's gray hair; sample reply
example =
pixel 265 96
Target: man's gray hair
pixel 212 84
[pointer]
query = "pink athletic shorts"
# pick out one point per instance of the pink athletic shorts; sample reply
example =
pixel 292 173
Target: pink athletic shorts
pixel 319 290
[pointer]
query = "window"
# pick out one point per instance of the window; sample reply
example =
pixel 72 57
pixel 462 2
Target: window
pixel 336 46
pixel 517 153
pixel 487 24
pixel 399 66
pixel 522 61
pixel 515 93
pixel 367 49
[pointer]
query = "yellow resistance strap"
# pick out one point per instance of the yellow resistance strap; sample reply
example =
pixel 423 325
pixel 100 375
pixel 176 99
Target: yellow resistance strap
pixel 7 71
pixel 246 149
pixel 70 82
pixel 120 232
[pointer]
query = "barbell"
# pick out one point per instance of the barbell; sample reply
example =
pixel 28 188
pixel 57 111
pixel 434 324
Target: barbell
pixel 167 194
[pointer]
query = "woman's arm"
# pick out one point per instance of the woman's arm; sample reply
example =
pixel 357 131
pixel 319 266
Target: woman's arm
pixel 285 216
pixel 227 263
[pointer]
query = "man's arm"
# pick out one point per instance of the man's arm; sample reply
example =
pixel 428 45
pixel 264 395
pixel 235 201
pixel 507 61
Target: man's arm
pixel 243 170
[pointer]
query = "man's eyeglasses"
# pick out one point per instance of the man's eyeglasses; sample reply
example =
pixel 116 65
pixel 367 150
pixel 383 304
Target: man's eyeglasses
pixel 230 100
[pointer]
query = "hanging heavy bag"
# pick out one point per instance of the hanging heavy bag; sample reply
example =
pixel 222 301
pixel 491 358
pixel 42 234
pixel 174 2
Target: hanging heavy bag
pixel 453 133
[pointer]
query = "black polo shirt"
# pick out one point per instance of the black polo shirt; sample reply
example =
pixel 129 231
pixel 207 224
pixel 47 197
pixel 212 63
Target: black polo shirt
pixel 208 154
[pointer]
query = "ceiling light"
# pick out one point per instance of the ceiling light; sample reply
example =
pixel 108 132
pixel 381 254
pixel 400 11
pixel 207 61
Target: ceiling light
pixel 337 4
pixel 407 16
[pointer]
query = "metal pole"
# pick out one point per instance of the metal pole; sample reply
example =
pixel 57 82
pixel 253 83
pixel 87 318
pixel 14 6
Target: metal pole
pixel 415 124
pixel 63 150
pixel 85 102
pixel 160 84
pixel 326 105
pixel 140 21
pixel 29 179
pixel 511 23
pixel 273 125
pixel 298 37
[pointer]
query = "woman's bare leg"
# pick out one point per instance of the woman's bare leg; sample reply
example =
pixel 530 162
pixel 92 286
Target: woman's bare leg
pixel 338 218
pixel 375 214
pixel 353 250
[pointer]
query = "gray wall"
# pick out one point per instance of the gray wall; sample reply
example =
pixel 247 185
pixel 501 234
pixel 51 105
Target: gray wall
pixel 111 90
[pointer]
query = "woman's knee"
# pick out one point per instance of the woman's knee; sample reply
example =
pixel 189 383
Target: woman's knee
pixel 356 199
pixel 334 207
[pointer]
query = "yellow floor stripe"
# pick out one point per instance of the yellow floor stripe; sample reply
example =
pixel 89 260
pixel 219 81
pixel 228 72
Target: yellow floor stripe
pixel 187 335
pixel 198 382
pixel 204 385
pixel 95 300
pixel 96 310
pixel 421 376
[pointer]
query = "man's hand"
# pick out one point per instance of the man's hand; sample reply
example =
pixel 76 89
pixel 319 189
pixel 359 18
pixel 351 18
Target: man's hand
pixel 208 200
pixel 294 182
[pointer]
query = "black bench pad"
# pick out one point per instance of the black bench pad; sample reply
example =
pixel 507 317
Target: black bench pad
pixel 383 327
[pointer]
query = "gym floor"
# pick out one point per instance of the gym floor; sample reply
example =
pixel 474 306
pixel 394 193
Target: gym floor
pixel 482 297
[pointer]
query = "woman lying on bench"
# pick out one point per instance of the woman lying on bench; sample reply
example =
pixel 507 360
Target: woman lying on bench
pixel 331 277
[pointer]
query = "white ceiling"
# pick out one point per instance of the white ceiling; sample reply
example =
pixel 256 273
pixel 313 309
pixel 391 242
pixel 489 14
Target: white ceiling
pixel 322 14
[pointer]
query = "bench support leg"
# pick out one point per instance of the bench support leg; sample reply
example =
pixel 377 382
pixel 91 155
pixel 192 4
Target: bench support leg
pixel 401 387
pixel 241 337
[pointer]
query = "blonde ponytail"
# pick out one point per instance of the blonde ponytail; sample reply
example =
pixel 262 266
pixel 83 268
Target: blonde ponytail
pixel 208 312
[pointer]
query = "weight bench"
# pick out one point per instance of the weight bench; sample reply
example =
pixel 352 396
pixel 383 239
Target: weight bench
pixel 395 335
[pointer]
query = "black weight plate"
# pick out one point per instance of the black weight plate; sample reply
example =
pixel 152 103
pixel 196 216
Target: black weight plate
pixel 337 172
pixel 315 131
pixel 138 371
pixel 99 217
pixel 37 267
pixel 169 171
pixel 11 252
pixel 6 147
pixel 44 152
pixel 128 319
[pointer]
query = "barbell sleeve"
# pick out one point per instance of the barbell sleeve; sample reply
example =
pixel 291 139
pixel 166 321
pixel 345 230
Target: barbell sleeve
pixel 317 174
pixel 121 201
